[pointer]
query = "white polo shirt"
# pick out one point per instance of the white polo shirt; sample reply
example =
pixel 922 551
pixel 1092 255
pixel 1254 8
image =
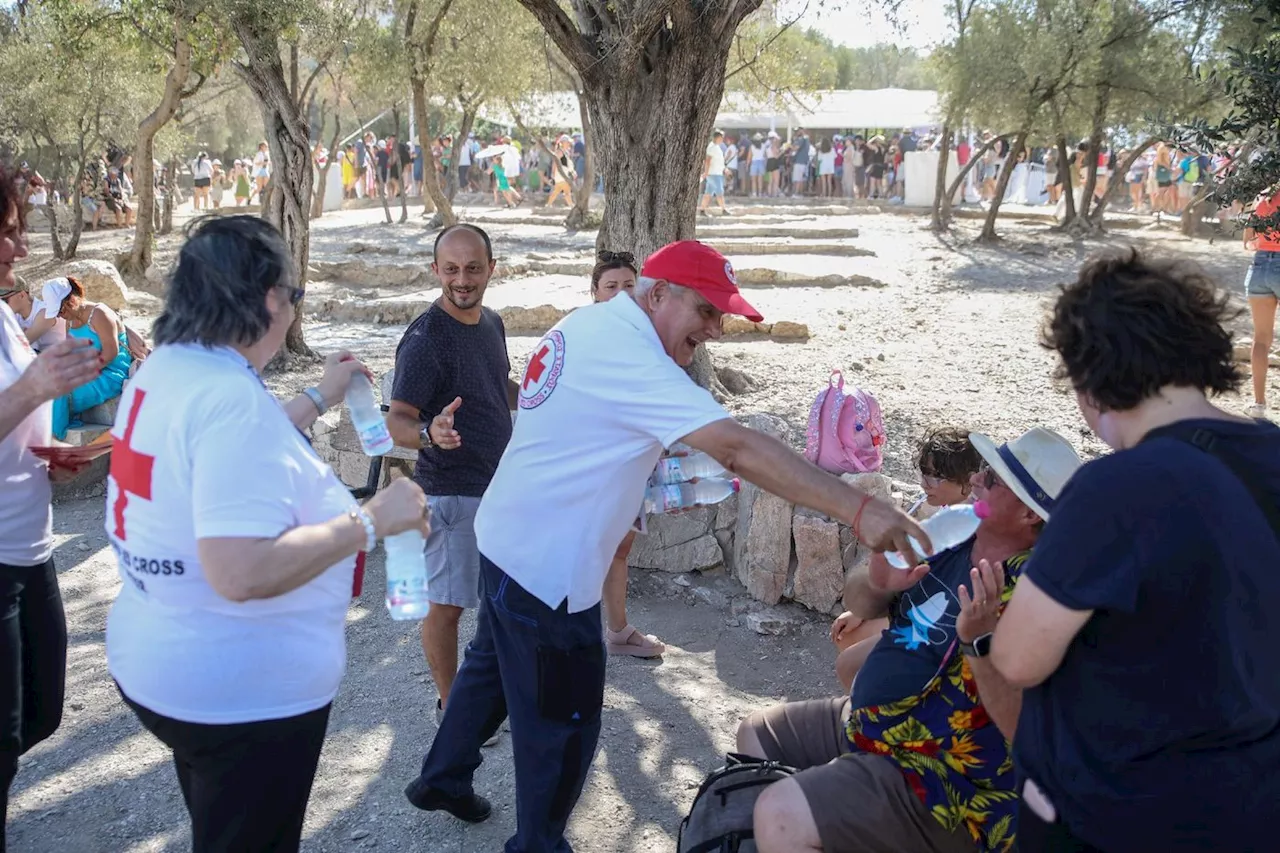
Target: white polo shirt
pixel 203 450
pixel 599 401
pixel 26 520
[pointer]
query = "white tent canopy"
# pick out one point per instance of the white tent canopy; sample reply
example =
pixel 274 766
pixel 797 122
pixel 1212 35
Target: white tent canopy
pixel 837 109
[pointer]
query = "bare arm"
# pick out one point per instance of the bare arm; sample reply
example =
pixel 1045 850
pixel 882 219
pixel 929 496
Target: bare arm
pixel 39 326
pixel 404 422
pixel 107 326
pixel 981 604
pixel 55 372
pixel 1034 635
pixel 244 569
pixel 339 367
pixel 1002 700
pixel 774 467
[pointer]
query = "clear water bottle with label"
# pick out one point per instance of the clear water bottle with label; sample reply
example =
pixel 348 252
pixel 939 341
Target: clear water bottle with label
pixel 366 417
pixel 687 495
pixel 682 469
pixel 947 528
pixel 406 576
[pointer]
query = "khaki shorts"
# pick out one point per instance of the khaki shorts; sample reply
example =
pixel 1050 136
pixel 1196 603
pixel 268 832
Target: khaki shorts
pixel 861 803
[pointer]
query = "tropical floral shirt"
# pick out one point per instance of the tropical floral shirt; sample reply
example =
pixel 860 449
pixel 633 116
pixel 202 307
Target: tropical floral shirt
pixel 955 759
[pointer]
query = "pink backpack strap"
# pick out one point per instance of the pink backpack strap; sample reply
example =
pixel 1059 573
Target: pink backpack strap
pixel 813 432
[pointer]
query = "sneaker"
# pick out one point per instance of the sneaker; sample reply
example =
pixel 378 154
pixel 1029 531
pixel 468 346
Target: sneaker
pixel 1256 411
pixel 493 741
pixel 472 807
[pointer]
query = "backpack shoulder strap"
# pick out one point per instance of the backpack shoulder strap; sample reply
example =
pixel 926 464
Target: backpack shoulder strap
pixel 1208 441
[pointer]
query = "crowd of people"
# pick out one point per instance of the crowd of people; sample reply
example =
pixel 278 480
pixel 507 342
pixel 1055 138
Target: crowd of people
pixel 1087 672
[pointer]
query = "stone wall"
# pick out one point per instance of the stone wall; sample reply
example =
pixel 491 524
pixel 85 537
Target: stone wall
pixel 778 551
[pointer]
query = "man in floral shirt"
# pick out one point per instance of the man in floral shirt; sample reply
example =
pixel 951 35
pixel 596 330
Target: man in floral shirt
pixel 916 758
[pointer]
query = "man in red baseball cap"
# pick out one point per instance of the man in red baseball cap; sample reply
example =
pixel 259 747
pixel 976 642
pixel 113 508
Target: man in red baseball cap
pixel 600 399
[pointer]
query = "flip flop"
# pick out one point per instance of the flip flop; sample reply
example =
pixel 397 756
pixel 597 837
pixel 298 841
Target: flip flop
pixel 620 643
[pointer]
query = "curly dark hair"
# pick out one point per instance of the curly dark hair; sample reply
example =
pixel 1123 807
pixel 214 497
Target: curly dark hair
pixel 1131 325
pixel 11 198
pixel 946 452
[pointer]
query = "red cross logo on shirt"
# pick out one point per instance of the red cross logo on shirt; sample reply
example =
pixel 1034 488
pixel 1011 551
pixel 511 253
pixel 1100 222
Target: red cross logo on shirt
pixel 543 372
pixel 130 469
pixel 536 366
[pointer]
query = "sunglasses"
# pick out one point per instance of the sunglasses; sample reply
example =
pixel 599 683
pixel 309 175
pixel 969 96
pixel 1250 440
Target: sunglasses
pixel 295 294
pixel 990 479
pixel 607 257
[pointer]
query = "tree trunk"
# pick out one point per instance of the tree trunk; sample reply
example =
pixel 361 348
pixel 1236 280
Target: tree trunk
pixel 381 187
pixel 170 195
pixel 51 213
pixel 1006 171
pixel 940 181
pixel 317 204
pixel 577 217
pixel 77 219
pixel 444 209
pixel 1117 181
pixel 139 257
pixel 1095 147
pixel 289 201
pixel 464 133
pixel 1068 190
pixel 974 159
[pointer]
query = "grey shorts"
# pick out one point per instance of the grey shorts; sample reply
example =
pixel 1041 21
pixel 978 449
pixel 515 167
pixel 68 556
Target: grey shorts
pixel 1263 278
pixel 859 801
pixel 453 560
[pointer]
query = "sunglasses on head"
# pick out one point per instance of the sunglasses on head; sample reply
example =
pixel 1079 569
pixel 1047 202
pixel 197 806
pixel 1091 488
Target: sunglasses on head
pixel 607 257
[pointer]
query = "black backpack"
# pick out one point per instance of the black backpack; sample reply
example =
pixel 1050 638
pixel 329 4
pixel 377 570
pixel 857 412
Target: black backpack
pixel 720 819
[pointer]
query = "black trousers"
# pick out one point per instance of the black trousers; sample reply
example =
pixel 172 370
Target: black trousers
pixel 1037 836
pixel 246 785
pixel 33 665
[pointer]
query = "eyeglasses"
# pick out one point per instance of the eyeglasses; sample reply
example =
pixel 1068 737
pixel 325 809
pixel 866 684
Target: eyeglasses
pixel 990 479
pixel 606 257
pixel 295 294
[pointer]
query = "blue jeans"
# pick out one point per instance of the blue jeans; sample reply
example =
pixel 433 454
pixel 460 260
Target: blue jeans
pixel 1263 278
pixel 545 667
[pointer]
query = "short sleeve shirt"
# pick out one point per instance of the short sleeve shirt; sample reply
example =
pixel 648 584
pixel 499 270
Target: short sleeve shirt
pixel 599 400
pixel 26 520
pixel 716 155
pixel 204 451
pixel 440 358
pixel 1160 729
pixel 802 151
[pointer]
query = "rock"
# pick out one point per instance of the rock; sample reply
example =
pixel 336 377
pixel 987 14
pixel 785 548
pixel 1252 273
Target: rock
pixel 762 536
pixel 819 576
pixel 537 320
pixel 1242 350
pixel 874 483
pixel 726 513
pixel 713 597
pixel 359 834
pixel 697 554
pixel 84 546
pixel 736 381
pixel 681 580
pixel 362 273
pixel 102 282
pixel 787 329
pixel 733 622
pixel 732 324
pixel 771 621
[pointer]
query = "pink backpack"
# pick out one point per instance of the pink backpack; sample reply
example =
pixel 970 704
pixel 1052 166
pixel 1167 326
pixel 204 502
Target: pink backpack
pixel 846 431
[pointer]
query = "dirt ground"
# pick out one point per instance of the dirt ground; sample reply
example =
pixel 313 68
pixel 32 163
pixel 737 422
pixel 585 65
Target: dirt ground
pixel 950 339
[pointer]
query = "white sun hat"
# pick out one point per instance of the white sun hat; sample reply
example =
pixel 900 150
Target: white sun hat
pixel 1035 466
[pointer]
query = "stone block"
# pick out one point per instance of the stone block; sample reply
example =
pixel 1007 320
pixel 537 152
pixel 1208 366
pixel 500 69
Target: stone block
pixel 762 535
pixel 874 483
pixel 787 329
pixel 711 597
pixel 771 621
pixel 819 578
pixel 101 281
pixel 103 414
pixel 727 513
pixel 668 530
pixel 81 436
pixel 694 555
pixel 531 321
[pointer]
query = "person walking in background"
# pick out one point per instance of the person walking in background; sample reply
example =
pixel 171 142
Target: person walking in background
pixel 241 183
pixel 202 179
pixel 826 168
pixel 33 628
pixel 1141 631
pixel 773 164
pixel 1262 289
pixel 218 186
pixel 713 175
pixel 236 544
pixel 452 402
pixel 261 169
pixel 801 152
pixel 756 166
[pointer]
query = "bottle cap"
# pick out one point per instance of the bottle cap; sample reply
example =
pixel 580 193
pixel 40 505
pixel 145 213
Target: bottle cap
pixel 737 484
pixel 981 509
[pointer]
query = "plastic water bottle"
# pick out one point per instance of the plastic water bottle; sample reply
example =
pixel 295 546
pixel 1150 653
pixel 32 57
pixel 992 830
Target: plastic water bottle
pixel 406 576
pixel 947 528
pixel 367 418
pixel 682 469
pixel 685 495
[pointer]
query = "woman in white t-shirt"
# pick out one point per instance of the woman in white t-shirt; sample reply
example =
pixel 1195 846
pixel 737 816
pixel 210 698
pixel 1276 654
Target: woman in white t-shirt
pixel 33 630
pixel 826 168
pixel 236 544
pixel 202 181
pixel 261 169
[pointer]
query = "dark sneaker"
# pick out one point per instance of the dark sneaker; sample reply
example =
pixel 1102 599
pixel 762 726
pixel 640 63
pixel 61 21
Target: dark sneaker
pixel 470 807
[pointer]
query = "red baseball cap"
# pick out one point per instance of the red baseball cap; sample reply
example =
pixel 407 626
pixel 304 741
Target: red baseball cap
pixel 699 267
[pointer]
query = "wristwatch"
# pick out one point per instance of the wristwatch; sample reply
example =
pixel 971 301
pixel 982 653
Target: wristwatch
pixel 424 435
pixel 979 648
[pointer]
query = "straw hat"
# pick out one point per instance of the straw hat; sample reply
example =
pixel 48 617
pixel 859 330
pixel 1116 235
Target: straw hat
pixel 1035 466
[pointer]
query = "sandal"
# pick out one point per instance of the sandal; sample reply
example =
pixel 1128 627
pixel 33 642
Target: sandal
pixel 623 643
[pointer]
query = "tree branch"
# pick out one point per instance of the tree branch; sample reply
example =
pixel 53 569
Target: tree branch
pixel 575 48
pixel 762 48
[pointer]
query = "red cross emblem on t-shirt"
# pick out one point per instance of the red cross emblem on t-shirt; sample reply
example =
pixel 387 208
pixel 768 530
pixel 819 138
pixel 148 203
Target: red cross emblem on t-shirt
pixel 543 371
pixel 130 469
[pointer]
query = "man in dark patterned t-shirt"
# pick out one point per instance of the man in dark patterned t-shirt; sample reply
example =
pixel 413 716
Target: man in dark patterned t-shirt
pixel 452 380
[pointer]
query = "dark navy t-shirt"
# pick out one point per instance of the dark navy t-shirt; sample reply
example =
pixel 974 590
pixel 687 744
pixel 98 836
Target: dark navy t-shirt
pixel 1160 730
pixel 440 358
pixel 921 629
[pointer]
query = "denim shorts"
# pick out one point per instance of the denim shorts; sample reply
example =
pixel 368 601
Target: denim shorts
pixel 715 185
pixel 1263 278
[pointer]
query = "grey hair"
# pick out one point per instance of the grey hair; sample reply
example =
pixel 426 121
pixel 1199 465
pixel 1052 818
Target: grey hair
pixel 215 293
pixel 645 283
